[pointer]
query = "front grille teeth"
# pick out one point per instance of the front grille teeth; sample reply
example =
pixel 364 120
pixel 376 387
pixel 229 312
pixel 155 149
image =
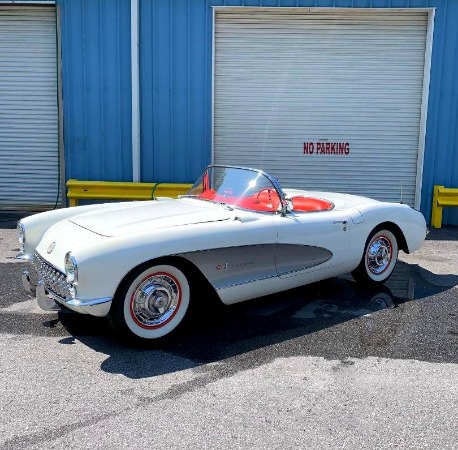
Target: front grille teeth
pixel 54 280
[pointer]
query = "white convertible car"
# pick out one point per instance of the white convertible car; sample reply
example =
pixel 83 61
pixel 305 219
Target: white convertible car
pixel 145 264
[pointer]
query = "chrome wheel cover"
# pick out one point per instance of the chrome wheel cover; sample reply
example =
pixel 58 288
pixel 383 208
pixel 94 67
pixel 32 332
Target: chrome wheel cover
pixel 379 255
pixel 155 300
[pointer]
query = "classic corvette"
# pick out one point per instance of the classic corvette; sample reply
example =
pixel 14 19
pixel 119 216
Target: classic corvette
pixel 236 232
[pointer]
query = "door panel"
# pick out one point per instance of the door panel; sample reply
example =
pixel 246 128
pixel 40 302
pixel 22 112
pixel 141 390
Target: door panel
pixel 308 242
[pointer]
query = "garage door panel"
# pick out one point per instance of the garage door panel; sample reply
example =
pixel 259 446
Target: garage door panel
pixel 28 107
pixel 283 77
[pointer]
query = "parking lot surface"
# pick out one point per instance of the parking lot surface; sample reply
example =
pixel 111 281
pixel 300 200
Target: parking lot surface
pixel 329 365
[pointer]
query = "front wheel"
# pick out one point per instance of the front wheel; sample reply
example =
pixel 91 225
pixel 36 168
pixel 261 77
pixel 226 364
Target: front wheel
pixel 152 302
pixel 379 258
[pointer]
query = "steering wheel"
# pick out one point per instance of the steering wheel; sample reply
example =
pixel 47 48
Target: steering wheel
pixel 263 193
pixel 267 197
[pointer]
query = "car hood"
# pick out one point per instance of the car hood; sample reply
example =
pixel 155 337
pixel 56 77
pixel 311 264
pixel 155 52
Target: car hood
pixel 136 217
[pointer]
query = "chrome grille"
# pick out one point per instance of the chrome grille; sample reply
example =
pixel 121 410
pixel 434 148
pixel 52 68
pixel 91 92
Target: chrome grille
pixel 55 281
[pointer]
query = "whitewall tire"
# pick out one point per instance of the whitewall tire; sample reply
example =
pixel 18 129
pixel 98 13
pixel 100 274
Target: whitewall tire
pixel 379 258
pixel 152 302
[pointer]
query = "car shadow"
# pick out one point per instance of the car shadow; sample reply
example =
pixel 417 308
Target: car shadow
pixel 336 319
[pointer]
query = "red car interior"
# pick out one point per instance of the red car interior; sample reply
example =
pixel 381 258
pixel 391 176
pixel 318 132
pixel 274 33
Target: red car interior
pixel 268 200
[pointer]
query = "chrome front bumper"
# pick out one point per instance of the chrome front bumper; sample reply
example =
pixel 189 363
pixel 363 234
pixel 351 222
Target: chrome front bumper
pixel 50 302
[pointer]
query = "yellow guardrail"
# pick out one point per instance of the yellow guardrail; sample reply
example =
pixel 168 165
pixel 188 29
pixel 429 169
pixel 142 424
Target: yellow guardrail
pixel 122 190
pixel 442 197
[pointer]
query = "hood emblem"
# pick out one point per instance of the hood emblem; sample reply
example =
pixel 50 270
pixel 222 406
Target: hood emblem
pixel 51 247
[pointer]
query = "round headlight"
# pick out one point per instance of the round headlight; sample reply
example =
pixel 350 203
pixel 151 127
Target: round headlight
pixel 21 233
pixel 71 268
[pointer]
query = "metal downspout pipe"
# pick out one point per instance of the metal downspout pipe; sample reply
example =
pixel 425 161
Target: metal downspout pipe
pixel 135 67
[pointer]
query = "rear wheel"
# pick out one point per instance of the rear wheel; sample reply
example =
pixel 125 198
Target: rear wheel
pixel 152 302
pixel 379 258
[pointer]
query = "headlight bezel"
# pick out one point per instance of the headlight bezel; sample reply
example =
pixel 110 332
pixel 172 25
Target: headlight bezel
pixel 71 268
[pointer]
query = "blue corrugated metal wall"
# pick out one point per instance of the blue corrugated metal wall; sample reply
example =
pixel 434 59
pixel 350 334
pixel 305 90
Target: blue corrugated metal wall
pixel 441 151
pixel 176 61
pixel 176 88
pixel 96 87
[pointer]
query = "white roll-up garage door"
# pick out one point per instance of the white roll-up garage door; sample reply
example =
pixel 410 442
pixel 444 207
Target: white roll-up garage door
pixel 28 107
pixel 322 99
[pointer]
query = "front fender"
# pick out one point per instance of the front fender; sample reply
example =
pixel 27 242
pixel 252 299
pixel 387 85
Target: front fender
pixel 411 223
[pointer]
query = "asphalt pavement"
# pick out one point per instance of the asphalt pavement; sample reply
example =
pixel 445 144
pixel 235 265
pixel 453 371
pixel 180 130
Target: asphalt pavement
pixel 329 365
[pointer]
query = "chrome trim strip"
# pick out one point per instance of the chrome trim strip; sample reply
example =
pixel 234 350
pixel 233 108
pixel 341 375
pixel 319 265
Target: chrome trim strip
pixel 241 283
pixel 98 307
pixel 79 301
pixel 88 302
pixel 290 272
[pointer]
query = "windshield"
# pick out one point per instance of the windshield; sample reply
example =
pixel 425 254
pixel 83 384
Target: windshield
pixel 245 188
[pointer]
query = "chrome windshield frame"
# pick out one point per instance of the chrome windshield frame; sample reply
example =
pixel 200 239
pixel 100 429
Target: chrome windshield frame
pixel 274 181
